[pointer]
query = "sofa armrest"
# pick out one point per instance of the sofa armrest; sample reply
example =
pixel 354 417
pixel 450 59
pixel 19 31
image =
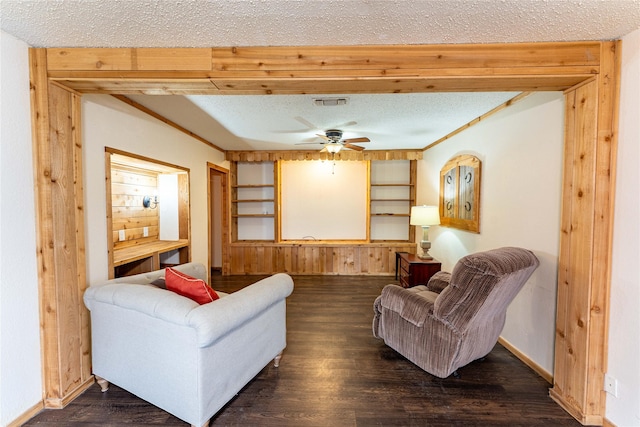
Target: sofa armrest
pixel 222 316
pixel 146 299
pixel 439 281
pixel 413 305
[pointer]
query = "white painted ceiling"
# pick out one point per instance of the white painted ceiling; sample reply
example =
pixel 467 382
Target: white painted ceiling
pixel 279 121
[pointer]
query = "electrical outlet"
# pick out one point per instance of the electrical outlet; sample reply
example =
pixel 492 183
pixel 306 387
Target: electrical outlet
pixel 611 385
pixel 145 231
pixel 121 235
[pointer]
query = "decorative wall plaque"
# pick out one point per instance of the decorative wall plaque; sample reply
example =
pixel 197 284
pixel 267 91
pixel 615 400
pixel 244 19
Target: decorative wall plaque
pixel 460 193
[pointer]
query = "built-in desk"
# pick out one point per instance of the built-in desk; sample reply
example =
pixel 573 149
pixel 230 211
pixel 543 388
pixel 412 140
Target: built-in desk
pixel 145 257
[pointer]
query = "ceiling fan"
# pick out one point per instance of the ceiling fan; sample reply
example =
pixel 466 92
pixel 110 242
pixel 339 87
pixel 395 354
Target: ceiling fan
pixel 333 141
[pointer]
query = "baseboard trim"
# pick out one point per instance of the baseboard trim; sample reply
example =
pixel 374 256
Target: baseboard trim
pixel 61 403
pixel 548 377
pixel 584 419
pixel 607 423
pixel 27 415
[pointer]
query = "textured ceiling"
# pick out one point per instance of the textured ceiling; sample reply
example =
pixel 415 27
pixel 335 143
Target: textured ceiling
pixel 202 23
pixel 278 122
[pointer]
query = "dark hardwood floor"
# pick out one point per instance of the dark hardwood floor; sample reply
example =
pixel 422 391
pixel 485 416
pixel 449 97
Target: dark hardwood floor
pixel 334 373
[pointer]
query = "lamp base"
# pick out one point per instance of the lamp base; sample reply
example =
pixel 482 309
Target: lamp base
pixel 425 245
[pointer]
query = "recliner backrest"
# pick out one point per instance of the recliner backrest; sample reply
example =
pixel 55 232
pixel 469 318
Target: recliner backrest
pixel 482 286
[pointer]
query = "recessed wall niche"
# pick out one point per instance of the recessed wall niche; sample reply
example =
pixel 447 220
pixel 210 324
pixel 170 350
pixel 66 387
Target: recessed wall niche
pixel 147 213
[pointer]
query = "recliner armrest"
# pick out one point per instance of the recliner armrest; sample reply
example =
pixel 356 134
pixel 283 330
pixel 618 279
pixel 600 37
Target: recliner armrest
pixel 414 307
pixel 439 281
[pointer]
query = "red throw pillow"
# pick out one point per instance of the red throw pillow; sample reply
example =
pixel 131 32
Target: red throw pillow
pixel 189 287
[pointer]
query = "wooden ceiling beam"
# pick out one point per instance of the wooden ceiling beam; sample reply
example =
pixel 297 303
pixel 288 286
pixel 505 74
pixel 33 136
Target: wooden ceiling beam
pixel 320 69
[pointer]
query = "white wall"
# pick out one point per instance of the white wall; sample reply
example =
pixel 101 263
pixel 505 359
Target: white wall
pixel 624 321
pixel 20 365
pixel 168 206
pixel 108 122
pixel 521 152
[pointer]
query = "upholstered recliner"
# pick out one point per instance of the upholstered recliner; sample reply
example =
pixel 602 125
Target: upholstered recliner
pixel 456 318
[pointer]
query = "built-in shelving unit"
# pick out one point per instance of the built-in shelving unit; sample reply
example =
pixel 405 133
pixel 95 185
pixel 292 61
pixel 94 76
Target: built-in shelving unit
pixel 253 207
pixel 392 193
pixel 255 217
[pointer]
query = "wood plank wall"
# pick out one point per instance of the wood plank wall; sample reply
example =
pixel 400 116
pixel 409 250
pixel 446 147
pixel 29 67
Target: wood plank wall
pixel 339 259
pixel 128 187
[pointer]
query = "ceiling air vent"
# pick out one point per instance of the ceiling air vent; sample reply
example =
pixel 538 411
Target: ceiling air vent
pixel 328 102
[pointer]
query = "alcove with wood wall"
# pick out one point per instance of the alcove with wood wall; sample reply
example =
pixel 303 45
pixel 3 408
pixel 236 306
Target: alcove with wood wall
pixel 136 240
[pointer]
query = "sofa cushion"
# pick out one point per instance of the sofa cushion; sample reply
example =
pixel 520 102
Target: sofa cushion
pixel 160 283
pixel 190 287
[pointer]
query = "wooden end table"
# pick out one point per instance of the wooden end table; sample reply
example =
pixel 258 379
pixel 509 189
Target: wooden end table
pixel 412 270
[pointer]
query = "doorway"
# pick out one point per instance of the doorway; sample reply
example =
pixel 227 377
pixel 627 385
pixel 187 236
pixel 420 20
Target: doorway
pixel 218 218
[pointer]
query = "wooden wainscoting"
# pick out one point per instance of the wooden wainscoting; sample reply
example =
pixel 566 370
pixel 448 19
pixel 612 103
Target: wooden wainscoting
pixel 315 258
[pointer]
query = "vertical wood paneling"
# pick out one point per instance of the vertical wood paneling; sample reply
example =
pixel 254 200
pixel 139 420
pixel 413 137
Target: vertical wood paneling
pixel 109 213
pixel 344 259
pixel 606 151
pixel 585 246
pixel 233 179
pixel 183 206
pixel 81 281
pixel 61 252
pixel 581 243
pixel 561 367
pixel 64 237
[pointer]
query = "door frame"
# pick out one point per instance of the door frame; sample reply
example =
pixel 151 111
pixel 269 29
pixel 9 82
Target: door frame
pixel 223 173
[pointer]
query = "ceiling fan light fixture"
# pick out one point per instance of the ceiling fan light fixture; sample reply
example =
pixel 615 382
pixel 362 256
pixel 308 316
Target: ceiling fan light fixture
pixel 333 147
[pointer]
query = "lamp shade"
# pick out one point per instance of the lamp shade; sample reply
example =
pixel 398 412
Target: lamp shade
pixel 424 215
pixel 333 147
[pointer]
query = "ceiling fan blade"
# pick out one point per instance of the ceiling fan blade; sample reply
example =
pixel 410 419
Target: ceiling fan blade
pixel 324 150
pixel 311 143
pixel 353 147
pixel 306 122
pixel 361 139
pixel 325 137
pixel 347 124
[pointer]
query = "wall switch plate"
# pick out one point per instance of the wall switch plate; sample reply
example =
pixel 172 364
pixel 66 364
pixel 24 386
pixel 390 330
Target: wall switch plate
pixel 121 236
pixel 145 231
pixel 611 385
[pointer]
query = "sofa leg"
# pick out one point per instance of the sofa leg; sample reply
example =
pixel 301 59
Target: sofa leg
pixel 276 361
pixel 104 384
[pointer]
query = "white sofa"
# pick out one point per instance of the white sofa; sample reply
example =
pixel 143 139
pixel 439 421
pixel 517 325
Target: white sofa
pixel 185 358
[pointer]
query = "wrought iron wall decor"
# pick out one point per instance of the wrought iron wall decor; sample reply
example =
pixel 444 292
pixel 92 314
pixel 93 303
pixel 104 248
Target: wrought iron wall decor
pixel 460 193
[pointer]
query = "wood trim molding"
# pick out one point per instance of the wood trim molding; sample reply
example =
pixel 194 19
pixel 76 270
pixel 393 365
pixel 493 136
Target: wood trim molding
pixel 272 156
pixel 27 415
pixel 587 71
pixel 165 120
pixel 477 120
pixel 548 376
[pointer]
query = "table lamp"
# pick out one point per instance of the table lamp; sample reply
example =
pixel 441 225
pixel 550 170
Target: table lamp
pixel 425 216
